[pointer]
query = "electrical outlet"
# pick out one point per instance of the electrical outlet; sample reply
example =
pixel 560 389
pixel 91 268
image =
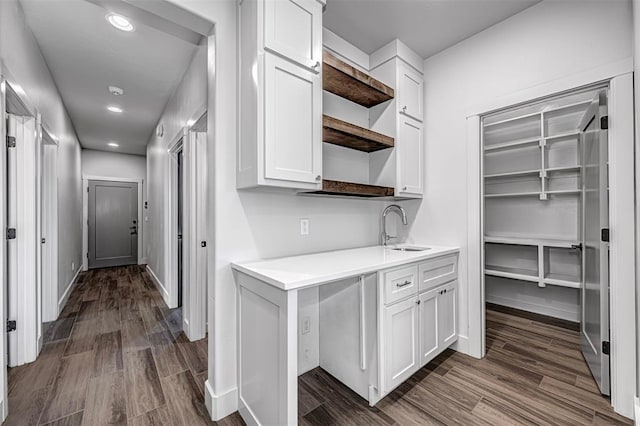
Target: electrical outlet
pixel 306 325
pixel 304 226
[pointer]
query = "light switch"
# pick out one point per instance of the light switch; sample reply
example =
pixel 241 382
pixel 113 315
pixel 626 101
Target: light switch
pixel 304 226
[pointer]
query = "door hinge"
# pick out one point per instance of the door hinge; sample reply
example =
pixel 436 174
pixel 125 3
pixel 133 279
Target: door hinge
pixel 606 348
pixel 11 233
pixel 43 241
pixel 11 326
pixel 11 142
pixel 604 235
pixel 87 255
pixel 203 243
pixel 604 122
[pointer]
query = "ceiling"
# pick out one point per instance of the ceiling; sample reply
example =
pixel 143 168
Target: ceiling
pixel 426 26
pixel 86 55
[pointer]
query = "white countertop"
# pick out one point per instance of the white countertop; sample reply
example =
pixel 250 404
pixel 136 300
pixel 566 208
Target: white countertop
pixel 291 273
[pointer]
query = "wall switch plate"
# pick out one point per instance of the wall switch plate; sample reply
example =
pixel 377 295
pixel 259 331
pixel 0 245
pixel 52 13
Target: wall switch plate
pixel 306 325
pixel 304 226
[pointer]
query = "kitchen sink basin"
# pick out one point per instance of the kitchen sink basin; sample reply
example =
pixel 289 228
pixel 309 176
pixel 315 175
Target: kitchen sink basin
pixel 410 248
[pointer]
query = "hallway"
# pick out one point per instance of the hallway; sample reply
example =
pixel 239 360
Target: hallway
pixel 116 355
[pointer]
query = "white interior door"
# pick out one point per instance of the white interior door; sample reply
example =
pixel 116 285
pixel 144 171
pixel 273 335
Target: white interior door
pixel 594 336
pixel 22 240
pixel 49 229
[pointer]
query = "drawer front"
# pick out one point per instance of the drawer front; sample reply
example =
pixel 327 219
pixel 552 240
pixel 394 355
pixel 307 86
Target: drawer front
pixel 400 283
pixel 438 271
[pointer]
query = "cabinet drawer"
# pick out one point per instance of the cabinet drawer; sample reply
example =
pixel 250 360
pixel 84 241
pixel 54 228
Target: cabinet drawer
pixel 437 271
pixel 400 283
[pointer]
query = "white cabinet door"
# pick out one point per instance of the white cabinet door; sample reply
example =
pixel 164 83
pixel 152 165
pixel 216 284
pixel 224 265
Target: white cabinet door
pixel 447 314
pixel 410 89
pixel 293 114
pixel 293 29
pixel 401 337
pixel 428 325
pixel 409 151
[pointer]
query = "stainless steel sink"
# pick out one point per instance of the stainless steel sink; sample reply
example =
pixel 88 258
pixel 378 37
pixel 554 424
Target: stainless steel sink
pixel 410 248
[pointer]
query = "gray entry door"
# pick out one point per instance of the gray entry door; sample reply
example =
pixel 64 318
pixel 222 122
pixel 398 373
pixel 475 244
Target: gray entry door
pixel 113 223
pixel 594 324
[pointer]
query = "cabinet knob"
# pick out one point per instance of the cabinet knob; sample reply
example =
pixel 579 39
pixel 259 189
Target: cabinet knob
pixel 418 302
pixel 316 65
pixel 404 109
pixel 404 188
pixel 318 178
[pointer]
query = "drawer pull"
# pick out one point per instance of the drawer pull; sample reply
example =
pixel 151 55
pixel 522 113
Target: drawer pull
pixel 404 284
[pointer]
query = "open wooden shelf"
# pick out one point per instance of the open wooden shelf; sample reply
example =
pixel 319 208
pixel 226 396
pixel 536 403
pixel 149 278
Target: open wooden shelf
pixel 349 135
pixel 342 79
pixel 334 187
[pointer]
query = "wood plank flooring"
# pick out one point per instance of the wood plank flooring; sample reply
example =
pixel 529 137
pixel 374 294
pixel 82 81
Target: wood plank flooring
pixel 116 356
pixel 533 374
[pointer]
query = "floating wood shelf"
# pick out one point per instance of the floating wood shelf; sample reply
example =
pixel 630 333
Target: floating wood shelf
pixel 342 79
pixel 334 187
pixel 349 135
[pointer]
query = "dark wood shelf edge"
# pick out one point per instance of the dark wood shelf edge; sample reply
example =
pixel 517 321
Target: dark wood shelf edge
pixel 339 188
pixel 342 133
pixel 348 82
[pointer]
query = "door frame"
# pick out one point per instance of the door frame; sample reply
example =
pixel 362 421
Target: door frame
pixel 48 258
pixel 194 290
pixel 85 214
pixel 621 216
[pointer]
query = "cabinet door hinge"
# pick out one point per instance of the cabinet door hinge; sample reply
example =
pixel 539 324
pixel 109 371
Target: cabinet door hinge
pixel 604 122
pixel 11 233
pixel 11 326
pixel 11 142
pixel 604 235
pixel 203 243
pixel 606 348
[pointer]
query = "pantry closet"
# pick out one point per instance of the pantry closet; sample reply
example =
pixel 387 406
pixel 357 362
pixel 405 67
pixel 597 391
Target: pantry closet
pixel 546 214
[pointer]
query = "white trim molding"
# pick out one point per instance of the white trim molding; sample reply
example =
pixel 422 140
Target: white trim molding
pixel 65 296
pixel 220 406
pixel 158 284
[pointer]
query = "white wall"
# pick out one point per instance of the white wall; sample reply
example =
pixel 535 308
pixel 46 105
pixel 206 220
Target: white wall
pixel 251 225
pixel 26 67
pixel 549 41
pixel 636 67
pixel 115 165
pixel 189 99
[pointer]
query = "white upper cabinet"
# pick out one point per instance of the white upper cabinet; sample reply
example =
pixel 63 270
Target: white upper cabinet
pixel 409 158
pixel 293 111
pixel 293 29
pixel 410 87
pixel 280 94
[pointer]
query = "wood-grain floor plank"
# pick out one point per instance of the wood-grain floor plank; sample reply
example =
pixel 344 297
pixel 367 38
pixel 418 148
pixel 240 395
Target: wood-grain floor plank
pixel 106 401
pixel 185 402
pixel 168 357
pixel 70 387
pixel 143 383
pixel 108 357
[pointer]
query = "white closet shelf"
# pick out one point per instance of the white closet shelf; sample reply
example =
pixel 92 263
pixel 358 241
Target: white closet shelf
pixel 540 113
pixel 520 143
pixel 513 273
pixel 535 172
pixel 564 191
pixel 568 106
pixel 562 280
pixel 563 169
pixel 561 136
pixel 512 119
pixel 531 241
pixel 513 194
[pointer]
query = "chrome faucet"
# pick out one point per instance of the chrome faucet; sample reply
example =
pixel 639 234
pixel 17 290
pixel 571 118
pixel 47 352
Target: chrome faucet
pixel 393 207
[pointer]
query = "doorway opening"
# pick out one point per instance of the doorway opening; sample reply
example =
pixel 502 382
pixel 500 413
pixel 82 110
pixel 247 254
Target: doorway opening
pixel 546 249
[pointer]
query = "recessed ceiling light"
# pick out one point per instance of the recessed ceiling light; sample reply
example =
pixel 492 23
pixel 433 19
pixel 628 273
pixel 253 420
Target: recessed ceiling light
pixel 116 91
pixel 114 108
pixel 120 22
pixel 113 144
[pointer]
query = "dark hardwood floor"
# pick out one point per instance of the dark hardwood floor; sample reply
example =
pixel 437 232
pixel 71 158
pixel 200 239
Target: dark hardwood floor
pixel 117 355
pixel 533 374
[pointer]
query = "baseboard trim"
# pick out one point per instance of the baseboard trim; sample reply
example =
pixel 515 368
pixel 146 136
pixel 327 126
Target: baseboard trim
pixel 67 293
pixel 247 415
pixel 532 307
pixel 462 345
pixel 636 410
pixel 159 286
pixel 220 406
